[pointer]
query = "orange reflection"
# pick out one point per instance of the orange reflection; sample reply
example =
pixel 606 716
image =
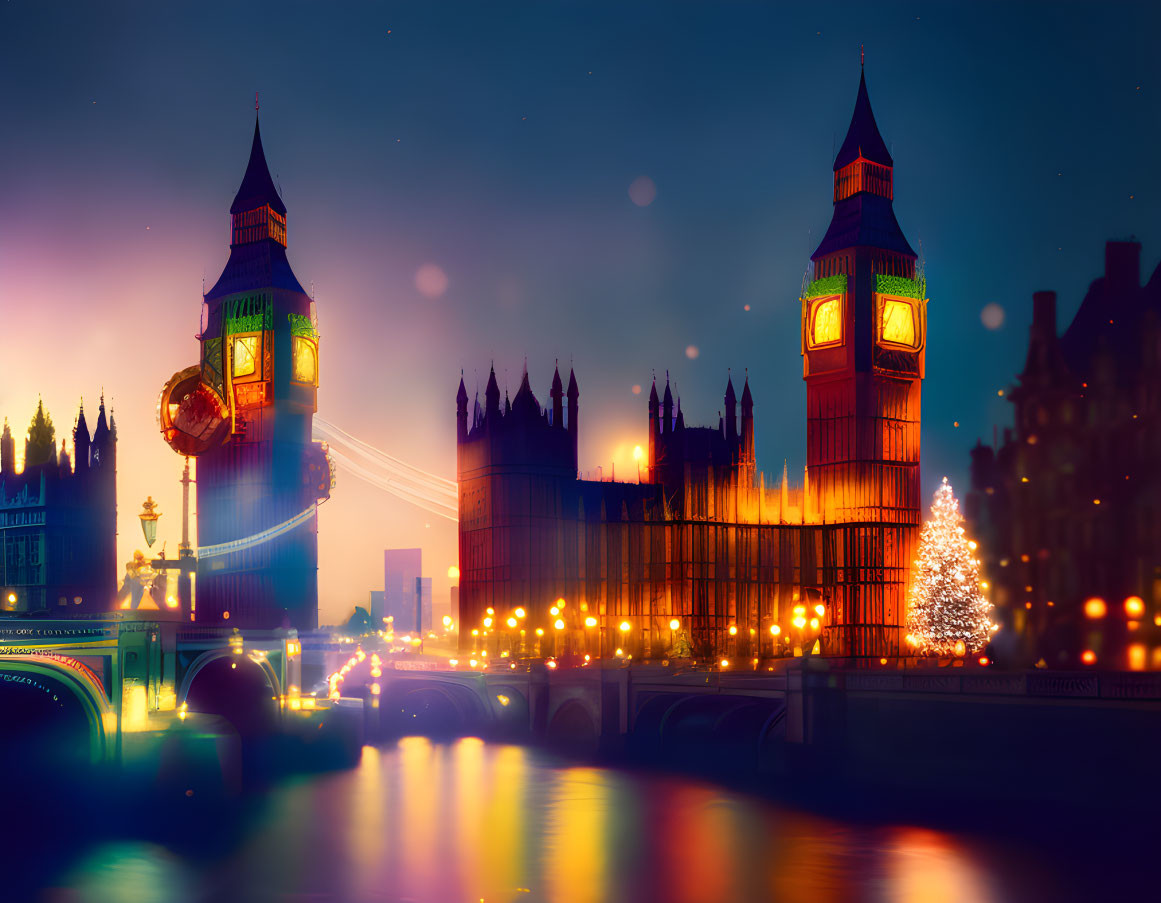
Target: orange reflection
pixel 924 867
pixel 575 826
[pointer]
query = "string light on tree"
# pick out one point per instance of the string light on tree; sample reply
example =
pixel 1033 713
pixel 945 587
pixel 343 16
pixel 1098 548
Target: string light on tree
pixel 947 605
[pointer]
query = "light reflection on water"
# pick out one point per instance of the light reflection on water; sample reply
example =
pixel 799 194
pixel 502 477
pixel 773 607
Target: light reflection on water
pixel 470 821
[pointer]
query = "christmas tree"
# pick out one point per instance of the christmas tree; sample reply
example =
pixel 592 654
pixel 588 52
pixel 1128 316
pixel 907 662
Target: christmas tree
pixel 947 606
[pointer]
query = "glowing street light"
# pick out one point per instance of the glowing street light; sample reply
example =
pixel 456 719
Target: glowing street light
pixel 1095 608
pixel 590 621
pixel 558 624
pixel 1134 606
pixel 674 624
pixel 625 627
pixel 733 630
pixel 511 622
pixel 519 612
pixel 487 622
pixel 775 630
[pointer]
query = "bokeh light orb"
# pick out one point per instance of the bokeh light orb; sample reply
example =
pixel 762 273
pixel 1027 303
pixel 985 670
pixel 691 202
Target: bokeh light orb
pixel 431 281
pixel 1095 608
pixel 691 352
pixel 636 389
pixel 992 316
pixel 642 191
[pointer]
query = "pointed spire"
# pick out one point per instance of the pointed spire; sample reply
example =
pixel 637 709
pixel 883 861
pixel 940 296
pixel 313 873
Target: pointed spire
pixel 863 138
pixel 257 188
pixel 747 399
pixel 492 394
pixel 462 394
pixel 573 392
pixel 653 402
pixel 526 404
pixel 731 398
pixel 507 403
pixel 680 425
pixel 557 389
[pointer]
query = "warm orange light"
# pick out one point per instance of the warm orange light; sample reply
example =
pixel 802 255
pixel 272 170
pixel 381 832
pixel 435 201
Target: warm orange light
pixel 674 624
pixel 819 610
pixel 558 624
pixel 550 664
pixel 882 661
pixel 511 622
pixel 590 621
pixel 638 453
pixel 985 661
pixel 775 630
pixel 554 611
pixel 1096 501
pixel 814 623
pixel 1095 608
pixel 1137 657
pixel 1134 606
pixel 733 630
pixel 560 602
pixel 490 610
pixel 1088 657
pixel 453 573
pixel 826 322
pixel 225 616
pixel 519 613
pixel 487 623
pixel 725 663
pixel 898 324
pixel 625 627
pixel 960 648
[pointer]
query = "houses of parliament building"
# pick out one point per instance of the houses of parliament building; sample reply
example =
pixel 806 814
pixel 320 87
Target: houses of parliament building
pixel 703 546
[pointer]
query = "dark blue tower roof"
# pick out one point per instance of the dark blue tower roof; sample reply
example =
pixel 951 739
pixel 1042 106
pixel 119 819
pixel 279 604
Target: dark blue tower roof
pixel 257 188
pixel 863 138
pixel 867 217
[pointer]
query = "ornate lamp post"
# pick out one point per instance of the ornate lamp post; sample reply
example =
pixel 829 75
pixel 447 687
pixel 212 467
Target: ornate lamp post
pixel 186 562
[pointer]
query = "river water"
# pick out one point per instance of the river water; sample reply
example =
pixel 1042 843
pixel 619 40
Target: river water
pixel 470 821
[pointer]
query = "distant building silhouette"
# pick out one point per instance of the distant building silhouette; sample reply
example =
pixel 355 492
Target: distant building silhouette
pixel 1068 506
pixel 58 520
pixel 406 600
pixel 703 539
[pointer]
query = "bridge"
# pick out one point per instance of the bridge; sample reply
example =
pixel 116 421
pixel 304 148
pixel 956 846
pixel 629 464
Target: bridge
pixel 129 685
pixel 816 726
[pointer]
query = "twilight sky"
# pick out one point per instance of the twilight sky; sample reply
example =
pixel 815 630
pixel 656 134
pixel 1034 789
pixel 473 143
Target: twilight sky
pixel 497 144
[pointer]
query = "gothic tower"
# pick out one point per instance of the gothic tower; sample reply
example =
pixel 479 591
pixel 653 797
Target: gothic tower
pixel 863 331
pixel 259 356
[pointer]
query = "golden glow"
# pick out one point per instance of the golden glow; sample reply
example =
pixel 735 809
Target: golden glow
pixel 819 610
pixel 725 663
pixel 487 623
pixel 560 602
pixel 134 708
pixel 453 573
pixel 960 648
pixel 733 630
pixel 305 361
pixel 814 623
pixel 519 613
pixel 1095 608
pixel 511 622
pixel 1137 657
pixel 1088 657
pixel 590 621
pixel 245 355
pixel 1134 606
pixel 490 610
pixel 674 624
pixel 501 698
pixel 638 453
pixel 540 631
pixel 554 611
pixel 775 630
pixel 800 622
pixel 625 627
pixel 293 648
pixel 558 624
pixel 447 621
pixel 898 326
pixel 826 322
pixel 619 652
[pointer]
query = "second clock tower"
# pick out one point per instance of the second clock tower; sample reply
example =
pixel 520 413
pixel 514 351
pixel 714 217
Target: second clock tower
pixel 863 331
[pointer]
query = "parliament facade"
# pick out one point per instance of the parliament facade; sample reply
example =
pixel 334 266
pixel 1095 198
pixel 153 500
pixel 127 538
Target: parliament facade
pixel 703 549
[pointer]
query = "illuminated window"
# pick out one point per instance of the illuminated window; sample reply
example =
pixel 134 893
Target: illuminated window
pixel 826 322
pixel 305 361
pixel 245 355
pixel 898 326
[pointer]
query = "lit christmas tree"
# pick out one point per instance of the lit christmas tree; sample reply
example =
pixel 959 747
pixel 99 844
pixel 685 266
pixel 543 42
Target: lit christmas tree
pixel 947 606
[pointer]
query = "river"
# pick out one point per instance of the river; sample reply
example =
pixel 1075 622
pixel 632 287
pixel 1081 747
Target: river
pixel 470 821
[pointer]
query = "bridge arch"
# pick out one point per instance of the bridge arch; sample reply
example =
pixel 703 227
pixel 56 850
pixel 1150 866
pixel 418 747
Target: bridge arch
pixel 431 707
pixel 243 689
pixel 38 689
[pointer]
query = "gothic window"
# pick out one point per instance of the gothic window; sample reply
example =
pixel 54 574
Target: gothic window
pixel 305 361
pixel 245 355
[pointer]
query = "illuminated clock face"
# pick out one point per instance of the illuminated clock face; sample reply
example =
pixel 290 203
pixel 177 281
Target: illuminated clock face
pixel 898 325
pixel 826 323
pixel 305 361
pixel 245 355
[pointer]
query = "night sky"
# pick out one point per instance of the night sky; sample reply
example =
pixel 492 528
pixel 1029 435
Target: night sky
pixel 497 146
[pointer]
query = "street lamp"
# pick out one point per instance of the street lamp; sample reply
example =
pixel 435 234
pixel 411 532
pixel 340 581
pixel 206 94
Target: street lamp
pixel 149 515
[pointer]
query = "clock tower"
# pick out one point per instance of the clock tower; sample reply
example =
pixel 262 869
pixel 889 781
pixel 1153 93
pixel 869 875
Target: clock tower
pixel 245 412
pixel 863 330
